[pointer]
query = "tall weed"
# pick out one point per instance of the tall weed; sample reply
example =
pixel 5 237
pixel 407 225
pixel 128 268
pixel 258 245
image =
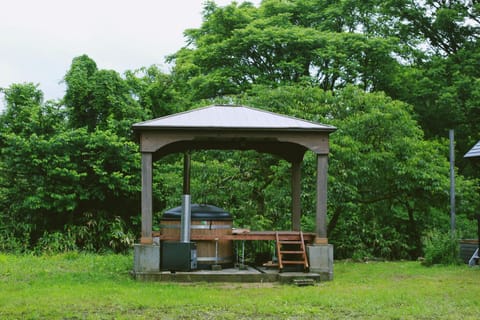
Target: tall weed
pixel 441 248
pixel 55 242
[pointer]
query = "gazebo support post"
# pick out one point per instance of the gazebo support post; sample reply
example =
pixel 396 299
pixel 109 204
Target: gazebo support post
pixel 146 254
pixel 146 198
pixel 296 194
pixel 320 254
pixel 321 208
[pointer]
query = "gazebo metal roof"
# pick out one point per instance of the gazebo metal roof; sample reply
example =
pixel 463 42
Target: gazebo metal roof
pixel 232 118
pixel 474 152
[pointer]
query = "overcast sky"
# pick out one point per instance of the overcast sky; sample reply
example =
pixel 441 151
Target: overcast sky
pixel 39 38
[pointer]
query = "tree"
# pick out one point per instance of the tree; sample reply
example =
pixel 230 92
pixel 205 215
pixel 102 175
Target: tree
pixel 284 42
pixel 442 83
pixel 445 26
pixel 74 170
pixel 23 126
pixel 444 92
pixel 156 92
pixel 99 98
pixel 69 180
pixel 78 97
pixel 26 113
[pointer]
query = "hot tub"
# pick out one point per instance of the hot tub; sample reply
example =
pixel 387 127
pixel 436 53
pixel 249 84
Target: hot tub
pixel 206 220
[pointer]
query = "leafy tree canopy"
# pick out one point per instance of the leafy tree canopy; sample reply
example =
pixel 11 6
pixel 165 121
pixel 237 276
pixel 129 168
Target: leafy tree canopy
pixel 284 42
pixel 99 98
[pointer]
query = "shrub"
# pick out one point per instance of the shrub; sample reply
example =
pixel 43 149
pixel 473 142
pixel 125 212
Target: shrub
pixel 121 239
pixel 15 237
pixel 441 248
pixel 55 242
pixel 10 243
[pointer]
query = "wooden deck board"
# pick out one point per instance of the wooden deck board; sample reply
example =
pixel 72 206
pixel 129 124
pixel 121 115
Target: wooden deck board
pixel 249 236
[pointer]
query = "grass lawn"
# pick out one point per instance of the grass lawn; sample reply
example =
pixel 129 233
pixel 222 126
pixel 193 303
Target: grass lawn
pixel 84 286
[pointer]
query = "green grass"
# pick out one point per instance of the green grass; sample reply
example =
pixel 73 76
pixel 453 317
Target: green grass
pixel 83 286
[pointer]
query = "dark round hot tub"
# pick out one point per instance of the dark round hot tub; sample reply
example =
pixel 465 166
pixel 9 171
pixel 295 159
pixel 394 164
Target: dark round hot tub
pixel 206 220
pixel 199 212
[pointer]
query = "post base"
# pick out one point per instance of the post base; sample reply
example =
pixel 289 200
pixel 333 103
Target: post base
pixel 321 260
pixel 146 258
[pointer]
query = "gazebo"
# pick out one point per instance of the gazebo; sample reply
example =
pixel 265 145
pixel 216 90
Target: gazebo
pixel 227 127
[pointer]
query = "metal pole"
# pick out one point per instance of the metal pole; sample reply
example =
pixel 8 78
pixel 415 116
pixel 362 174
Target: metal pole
pixel 186 202
pixel 452 180
pixel 478 230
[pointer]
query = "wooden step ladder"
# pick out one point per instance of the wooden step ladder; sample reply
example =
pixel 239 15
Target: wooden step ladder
pixel 291 249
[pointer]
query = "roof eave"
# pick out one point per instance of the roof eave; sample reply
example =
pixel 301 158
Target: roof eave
pixel 139 128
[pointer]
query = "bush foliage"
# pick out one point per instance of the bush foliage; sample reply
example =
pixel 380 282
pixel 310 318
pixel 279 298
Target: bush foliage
pixel 441 248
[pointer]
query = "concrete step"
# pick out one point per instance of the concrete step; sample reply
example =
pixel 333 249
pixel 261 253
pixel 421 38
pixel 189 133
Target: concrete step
pixel 299 277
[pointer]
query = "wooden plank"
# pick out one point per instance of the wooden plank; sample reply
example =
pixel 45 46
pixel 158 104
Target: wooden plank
pixel 279 247
pixel 292 262
pixel 469 241
pixel 146 240
pixel 319 240
pixel 251 236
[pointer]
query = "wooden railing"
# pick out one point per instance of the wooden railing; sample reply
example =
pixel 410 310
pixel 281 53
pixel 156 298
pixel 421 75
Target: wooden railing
pixel 309 237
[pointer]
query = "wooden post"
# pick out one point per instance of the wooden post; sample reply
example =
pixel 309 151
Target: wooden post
pixel 321 214
pixel 296 194
pixel 146 198
pixel 186 172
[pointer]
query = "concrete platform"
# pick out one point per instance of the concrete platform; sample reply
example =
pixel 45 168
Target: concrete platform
pixel 226 275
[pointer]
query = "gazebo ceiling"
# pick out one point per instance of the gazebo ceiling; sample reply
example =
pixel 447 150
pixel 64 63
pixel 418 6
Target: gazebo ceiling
pixel 233 127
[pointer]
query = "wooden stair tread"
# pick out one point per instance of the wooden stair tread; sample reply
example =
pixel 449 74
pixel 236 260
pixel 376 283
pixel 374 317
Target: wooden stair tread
pixel 290 242
pixel 291 252
pixel 296 247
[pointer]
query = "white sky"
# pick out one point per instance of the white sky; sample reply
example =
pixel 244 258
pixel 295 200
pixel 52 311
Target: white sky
pixel 39 38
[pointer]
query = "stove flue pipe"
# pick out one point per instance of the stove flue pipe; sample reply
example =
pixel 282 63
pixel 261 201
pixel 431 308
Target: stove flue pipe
pixel 186 201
